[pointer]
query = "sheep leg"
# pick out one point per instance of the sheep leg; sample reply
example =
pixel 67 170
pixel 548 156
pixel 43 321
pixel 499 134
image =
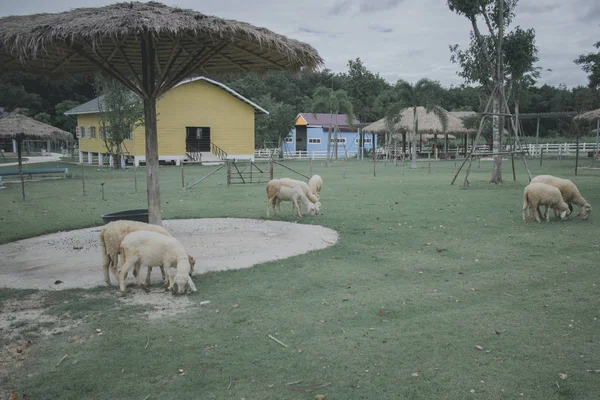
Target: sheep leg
pixel 547 214
pixel 114 264
pixel 535 210
pixel 269 201
pixel 148 276
pixel 105 266
pixel 123 273
pixel 297 207
pixel 138 278
pixel 525 207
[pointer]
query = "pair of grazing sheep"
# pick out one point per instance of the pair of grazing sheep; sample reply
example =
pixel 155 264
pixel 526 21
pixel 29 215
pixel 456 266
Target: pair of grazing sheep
pixel 141 244
pixel 555 193
pixel 286 189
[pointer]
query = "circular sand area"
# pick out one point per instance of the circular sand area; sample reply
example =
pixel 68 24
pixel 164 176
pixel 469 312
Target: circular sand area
pixel 74 257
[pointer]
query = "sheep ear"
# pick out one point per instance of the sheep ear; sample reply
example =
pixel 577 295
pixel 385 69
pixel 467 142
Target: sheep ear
pixel 191 283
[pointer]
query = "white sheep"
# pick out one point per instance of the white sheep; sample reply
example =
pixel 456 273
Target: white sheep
pixel 308 192
pixel 538 194
pixel 151 249
pixel 111 236
pixel 276 193
pixel 316 184
pixel 569 192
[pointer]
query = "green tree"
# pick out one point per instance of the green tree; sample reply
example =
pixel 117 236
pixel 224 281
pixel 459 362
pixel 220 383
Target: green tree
pixel 493 58
pixel 62 121
pixel 363 87
pixel 326 100
pixel 425 93
pixel 121 111
pixel 590 63
pixel 272 128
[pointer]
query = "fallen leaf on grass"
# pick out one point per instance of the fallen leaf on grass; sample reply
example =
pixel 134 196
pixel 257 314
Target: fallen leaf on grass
pixel 13 396
pixel 499 332
pixel 319 397
pixel 593 371
pixel 98 330
pixel 563 376
pixel 479 347
pixel 382 312
pixel 415 374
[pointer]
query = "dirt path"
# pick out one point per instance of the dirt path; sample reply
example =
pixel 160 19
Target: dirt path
pixel 74 258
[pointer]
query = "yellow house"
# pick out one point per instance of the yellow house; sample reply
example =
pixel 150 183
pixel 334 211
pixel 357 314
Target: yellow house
pixel 198 120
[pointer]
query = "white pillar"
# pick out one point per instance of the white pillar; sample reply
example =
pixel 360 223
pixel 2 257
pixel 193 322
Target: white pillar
pixel 178 162
pixel 136 161
pixel 48 148
pixel 100 155
pixel 111 160
pixel 14 146
pixel 122 161
pixel 89 157
pixel 81 157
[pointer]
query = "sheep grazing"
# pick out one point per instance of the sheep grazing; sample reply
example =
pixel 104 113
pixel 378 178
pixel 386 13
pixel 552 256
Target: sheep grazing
pixel 151 249
pixel 541 194
pixel 162 270
pixel 276 193
pixel 308 192
pixel 111 236
pixel 316 184
pixel 569 192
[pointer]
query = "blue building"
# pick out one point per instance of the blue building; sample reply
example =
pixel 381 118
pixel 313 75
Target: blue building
pixel 309 136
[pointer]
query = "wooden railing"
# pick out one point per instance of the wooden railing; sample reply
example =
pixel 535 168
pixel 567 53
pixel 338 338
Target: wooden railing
pixel 217 151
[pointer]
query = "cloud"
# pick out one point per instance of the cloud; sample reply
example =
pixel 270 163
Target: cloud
pixel 379 28
pixel 341 7
pixel 369 6
pixel 541 8
pixel 311 31
pixel 591 13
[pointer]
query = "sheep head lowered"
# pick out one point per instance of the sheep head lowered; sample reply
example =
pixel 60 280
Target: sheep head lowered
pixel 585 211
pixel 183 277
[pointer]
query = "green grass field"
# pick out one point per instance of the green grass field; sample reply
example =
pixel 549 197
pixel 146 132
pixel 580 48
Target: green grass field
pixel 423 273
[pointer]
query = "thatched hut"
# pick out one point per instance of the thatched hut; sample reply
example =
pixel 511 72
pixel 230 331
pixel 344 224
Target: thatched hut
pixel 148 47
pixel 429 126
pixel 19 127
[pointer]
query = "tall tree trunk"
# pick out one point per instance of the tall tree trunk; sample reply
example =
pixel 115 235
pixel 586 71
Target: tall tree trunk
pixel 497 141
pixel 413 150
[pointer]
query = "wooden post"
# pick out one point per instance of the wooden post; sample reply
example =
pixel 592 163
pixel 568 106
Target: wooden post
pixel 310 167
pixel 537 135
pixel 229 172
pixel 429 166
pixel 374 156
pixel 19 156
pixel 270 168
pixel 250 171
pixel 148 89
pixel 135 177
pixel 102 186
pixel 576 153
pixel 512 160
pixel 478 162
pixel 182 176
pixel 403 162
pixel 83 178
pixel 541 156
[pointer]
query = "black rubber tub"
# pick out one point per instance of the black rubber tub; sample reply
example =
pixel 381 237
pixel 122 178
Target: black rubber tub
pixel 130 215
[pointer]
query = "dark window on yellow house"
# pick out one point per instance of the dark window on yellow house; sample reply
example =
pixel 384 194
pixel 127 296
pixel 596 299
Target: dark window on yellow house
pixel 197 139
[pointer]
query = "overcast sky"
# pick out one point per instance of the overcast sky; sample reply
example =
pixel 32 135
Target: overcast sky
pixel 396 38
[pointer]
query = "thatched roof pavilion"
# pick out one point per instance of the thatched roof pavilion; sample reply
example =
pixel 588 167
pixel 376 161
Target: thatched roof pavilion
pixel 590 115
pixel 148 47
pixel 19 127
pixel 428 123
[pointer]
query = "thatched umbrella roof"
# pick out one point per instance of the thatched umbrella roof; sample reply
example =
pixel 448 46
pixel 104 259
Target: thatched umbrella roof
pixel 148 47
pixel 17 126
pixel 64 42
pixel 428 122
pixel 590 115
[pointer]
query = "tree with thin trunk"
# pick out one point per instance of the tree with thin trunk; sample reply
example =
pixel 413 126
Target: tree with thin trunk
pixel 492 59
pixel 120 112
pixel 590 63
pixel 333 102
pixel 425 93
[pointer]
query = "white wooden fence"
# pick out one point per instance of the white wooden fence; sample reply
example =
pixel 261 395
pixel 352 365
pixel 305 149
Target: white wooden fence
pixel 558 149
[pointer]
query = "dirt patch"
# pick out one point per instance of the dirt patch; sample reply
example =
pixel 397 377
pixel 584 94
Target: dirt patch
pixel 72 259
pixel 23 322
pixel 162 304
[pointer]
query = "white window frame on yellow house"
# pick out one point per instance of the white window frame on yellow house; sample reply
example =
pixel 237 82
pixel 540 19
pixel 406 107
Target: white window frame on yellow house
pixel 92 130
pixel 101 132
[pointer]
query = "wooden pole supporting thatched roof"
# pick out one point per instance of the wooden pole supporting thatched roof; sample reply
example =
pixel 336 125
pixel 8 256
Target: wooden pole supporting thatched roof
pixel 148 47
